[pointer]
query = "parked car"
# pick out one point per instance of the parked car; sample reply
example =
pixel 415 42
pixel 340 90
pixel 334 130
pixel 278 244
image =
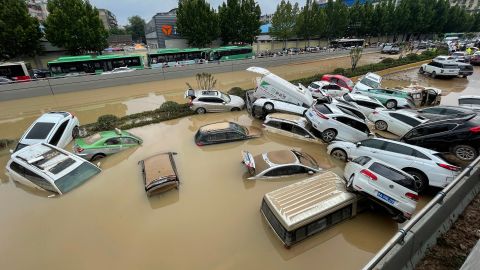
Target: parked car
pixel 475 59
pixel 322 88
pixel 392 99
pixel 465 69
pixel 440 68
pixel 46 167
pixel 290 125
pixel 40 73
pixel 444 111
pixel 5 80
pixel 442 58
pixel 423 95
pixel 391 49
pixel 223 132
pixel 105 143
pixel 397 122
pixel 350 108
pixel 279 163
pixel 340 80
pixel 260 107
pixel 159 173
pixel 334 123
pixel 119 70
pixel 369 80
pixel 55 128
pixel 461 57
pixel 469 101
pixel 364 103
pixel 457 135
pixel 384 184
pixel 203 101
pixel 425 164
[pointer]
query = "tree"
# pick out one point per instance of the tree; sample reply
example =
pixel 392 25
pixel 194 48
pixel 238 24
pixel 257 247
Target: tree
pixel 250 19
pixel 205 81
pixel 19 32
pixel 283 21
pixel 76 26
pixel 305 25
pixel 337 18
pixel 117 31
pixel 239 21
pixel 355 55
pixel 197 22
pixel 136 27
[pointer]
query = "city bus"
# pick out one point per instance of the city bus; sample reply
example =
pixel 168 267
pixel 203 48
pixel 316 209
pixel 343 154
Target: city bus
pixel 17 71
pixel 87 64
pixel 347 43
pixel 230 53
pixel 172 57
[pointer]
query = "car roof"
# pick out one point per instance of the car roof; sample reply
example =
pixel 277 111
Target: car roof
pixel 469 96
pixel 362 97
pixel 52 117
pixel 281 157
pixel 374 76
pixel 215 126
pixel 285 116
pixel 421 149
pixel 207 93
pixel 322 83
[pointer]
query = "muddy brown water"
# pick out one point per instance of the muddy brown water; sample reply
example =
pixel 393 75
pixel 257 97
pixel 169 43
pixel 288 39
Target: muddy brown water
pixel 212 222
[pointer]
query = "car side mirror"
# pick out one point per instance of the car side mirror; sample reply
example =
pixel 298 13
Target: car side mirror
pixel 11 151
pixel 359 144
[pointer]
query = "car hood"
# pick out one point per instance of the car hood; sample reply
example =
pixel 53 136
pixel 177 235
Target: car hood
pixel 236 100
pixel 254 132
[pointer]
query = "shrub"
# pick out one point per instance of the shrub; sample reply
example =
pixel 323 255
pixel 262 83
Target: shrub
pixel 237 91
pixel 170 106
pixel 412 57
pixel 106 122
pixel 5 143
pixel 387 61
pixel 340 71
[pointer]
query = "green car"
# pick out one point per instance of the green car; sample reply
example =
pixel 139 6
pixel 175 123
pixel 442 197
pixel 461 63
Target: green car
pixel 392 99
pixel 105 143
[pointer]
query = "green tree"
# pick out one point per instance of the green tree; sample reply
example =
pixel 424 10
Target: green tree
pixel 197 22
pixel 136 27
pixel 319 21
pixel 76 26
pixel 337 18
pixel 250 18
pixel 117 31
pixel 305 25
pixel 229 20
pixel 355 19
pixel 283 21
pixel 19 32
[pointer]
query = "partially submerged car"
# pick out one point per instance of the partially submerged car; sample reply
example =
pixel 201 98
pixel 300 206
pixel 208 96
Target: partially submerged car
pixel 392 99
pixel 322 88
pixel 469 101
pixel 397 122
pixel 260 107
pixel 369 80
pixel 203 101
pixel 223 132
pixel 290 125
pixel 423 95
pixel 105 143
pixel 159 173
pixel 340 80
pixel 46 167
pixel 364 103
pixel 279 163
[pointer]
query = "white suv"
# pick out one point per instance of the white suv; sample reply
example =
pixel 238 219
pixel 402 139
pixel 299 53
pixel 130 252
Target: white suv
pixel 55 128
pixel 49 168
pixel 384 184
pixel 425 164
pixel 440 68
pixel 334 123
pixel 398 122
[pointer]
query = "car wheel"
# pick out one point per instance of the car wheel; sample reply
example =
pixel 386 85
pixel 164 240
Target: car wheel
pixel 97 157
pixel 381 125
pixel 329 135
pixel 268 107
pixel 75 132
pixel 465 152
pixel 201 110
pixel 421 71
pixel 391 104
pixel 434 74
pixel 235 109
pixel 339 154
pixel 349 186
pixel 421 180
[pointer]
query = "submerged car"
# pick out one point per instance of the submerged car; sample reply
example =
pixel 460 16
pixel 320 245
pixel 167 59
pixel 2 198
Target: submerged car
pixel 340 80
pixel 203 101
pixel 46 167
pixel 423 95
pixel 369 80
pixel 159 173
pixel 223 132
pixel 290 125
pixel 279 163
pixel 397 122
pixel 392 99
pixel 384 184
pixel 105 143
pixel 322 88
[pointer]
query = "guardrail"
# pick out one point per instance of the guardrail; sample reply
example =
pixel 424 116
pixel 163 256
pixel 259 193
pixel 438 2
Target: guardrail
pixel 417 246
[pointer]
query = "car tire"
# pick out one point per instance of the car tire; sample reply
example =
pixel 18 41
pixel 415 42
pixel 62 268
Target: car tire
pixel 329 135
pixel 465 152
pixel 339 154
pixel 97 157
pixel 381 125
pixel 391 104
pixel 421 71
pixel 422 183
pixel 200 110
pixel 235 109
pixel 349 185
pixel 75 132
pixel 268 107
pixel 434 75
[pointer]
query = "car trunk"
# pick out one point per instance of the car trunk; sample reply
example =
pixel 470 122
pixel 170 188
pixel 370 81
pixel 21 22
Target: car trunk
pixel 159 173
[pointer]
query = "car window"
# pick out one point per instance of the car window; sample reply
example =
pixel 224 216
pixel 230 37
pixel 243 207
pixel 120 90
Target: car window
pixel 286 126
pixel 112 141
pixel 362 160
pixel 40 131
pixel 314 85
pixel 299 131
pixel 334 87
pixel 128 140
pixel 400 149
pixel 38 180
pixel 17 168
pixel 367 104
pixel 286 170
pixel 217 137
pixel 234 136
pixel 58 134
pixel 405 119
pixel 352 111
pixel 347 97
pixel 433 110
pixel 322 108
pixel 467 101
pixel 274 124
pixel 431 130
pixel 353 123
pixel 420 155
pixel 392 174
pixel 372 143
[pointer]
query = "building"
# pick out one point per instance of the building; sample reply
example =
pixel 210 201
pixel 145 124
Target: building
pixel 266 19
pixel 469 5
pixel 108 18
pixel 38 9
pixel 161 31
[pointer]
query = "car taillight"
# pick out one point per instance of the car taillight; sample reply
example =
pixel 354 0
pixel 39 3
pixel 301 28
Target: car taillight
pixel 199 143
pixel 369 174
pixel 321 115
pixel 411 196
pixel 79 149
pixel 475 129
pixel 449 167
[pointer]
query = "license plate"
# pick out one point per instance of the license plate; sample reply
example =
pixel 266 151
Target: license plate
pixel 386 198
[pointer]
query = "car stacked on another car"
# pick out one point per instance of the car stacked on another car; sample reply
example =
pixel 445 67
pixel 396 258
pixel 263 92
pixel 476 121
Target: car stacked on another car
pixel 369 80
pixel 290 125
pixel 203 101
pixel 339 80
pixel 397 122
pixel 364 103
pixel 322 88
pixel 392 99
pixel 223 132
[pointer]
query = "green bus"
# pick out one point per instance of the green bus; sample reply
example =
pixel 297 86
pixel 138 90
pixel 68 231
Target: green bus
pixel 173 57
pixel 230 53
pixel 85 64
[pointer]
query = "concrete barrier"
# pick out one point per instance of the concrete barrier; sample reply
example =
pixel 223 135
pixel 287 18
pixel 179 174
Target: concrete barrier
pixel 88 82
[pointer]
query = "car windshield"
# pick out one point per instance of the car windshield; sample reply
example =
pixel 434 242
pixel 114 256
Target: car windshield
pixel 306 159
pixel 464 101
pixel 76 177
pixel 40 131
pixel 392 174
pixel 349 83
pixel 226 97
pixel 369 82
pixel 93 138
pixel 20 146
pixel 239 128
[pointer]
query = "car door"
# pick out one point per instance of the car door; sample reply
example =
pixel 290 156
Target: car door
pixel 59 137
pixel 216 104
pixel 370 148
pixel 433 137
pixel 128 142
pixel 112 146
pixel 399 155
pixel 397 124
pixel 350 130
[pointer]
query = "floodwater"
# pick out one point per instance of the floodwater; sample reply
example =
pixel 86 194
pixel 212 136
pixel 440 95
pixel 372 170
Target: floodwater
pixel 212 222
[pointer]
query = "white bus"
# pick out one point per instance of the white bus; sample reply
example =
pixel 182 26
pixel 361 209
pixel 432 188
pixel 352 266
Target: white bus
pixel 305 208
pixel 17 71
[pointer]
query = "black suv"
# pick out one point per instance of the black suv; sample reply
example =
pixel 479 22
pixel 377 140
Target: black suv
pixel 460 136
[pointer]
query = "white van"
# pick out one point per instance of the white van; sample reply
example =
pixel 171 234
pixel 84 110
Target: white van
pixel 273 87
